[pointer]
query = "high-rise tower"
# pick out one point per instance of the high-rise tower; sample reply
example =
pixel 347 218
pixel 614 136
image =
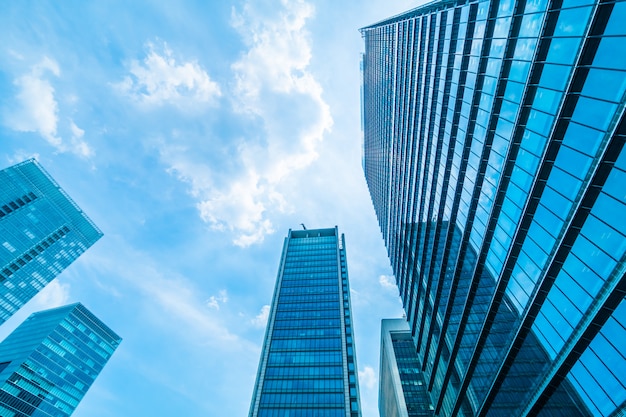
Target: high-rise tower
pixel 403 392
pixel 308 364
pixel 493 150
pixel 49 362
pixel 42 231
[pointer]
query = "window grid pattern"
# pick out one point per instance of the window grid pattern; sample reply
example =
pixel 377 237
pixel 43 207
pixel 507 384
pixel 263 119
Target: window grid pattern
pixel 501 210
pixel 308 364
pixel 42 231
pixel 51 360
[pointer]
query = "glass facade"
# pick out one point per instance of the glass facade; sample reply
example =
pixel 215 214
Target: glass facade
pixel 42 231
pixel 308 364
pixel 49 362
pixel 403 391
pixel 493 150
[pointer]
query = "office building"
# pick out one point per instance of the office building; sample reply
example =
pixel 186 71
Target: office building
pixel 49 362
pixel 493 152
pixel 42 231
pixel 308 364
pixel 402 391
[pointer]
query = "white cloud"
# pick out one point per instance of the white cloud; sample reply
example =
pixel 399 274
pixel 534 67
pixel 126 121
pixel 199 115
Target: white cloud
pixel 367 377
pixel 55 294
pixel 273 87
pixel 215 300
pixel 261 319
pixel 37 109
pixel 387 281
pixel 160 80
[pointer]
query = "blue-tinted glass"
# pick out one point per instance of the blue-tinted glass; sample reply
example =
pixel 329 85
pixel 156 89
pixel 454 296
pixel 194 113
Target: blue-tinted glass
pixel 519 71
pixel 594 113
pixel 567 184
pixel 535 6
pixel 616 26
pixel 547 100
pixel 55 356
pixel 501 29
pixel 606 56
pixel 514 91
pixel 525 49
pixel 531 25
pixel 555 76
pixel 582 138
pixel 572 22
pixel 605 84
pixel 539 122
pixel 572 161
pixel 563 50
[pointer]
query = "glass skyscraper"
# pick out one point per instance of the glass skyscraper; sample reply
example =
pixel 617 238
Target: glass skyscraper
pixel 42 231
pixel 49 362
pixel 308 364
pixel 493 150
pixel 403 391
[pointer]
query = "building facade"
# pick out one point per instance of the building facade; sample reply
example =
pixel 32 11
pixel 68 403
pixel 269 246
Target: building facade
pixel 42 231
pixel 493 151
pixel 308 364
pixel 49 362
pixel 403 391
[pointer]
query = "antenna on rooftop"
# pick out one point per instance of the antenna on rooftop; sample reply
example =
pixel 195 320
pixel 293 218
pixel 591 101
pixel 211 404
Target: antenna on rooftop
pixel 303 226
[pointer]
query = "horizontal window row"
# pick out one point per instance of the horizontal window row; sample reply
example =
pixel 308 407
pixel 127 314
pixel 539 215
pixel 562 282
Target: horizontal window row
pixel 296 344
pixel 323 399
pixel 307 314
pixel 300 411
pixel 304 384
pixel 283 298
pixel 301 358
pixel 36 250
pixel 304 371
pixel 17 203
pixel 324 332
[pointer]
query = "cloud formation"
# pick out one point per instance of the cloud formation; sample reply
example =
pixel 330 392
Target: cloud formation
pixel 37 109
pixel 367 377
pixel 272 88
pixel 260 320
pixel 387 282
pixel 55 294
pixel 160 80
pixel 215 300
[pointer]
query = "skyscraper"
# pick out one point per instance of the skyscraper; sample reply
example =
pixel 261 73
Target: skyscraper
pixel 403 392
pixel 42 231
pixel 49 362
pixel 493 151
pixel 308 364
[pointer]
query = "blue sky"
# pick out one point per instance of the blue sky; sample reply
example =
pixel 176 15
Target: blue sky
pixel 195 134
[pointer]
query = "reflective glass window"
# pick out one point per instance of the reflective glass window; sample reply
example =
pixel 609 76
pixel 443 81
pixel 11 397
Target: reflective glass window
pixel 519 71
pixel 616 26
pixel 547 100
pixel 582 138
pixel 555 76
pixel 525 49
pixel 563 50
pixel 531 25
pixel 572 161
pixel 594 113
pixel 605 84
pixel 572 22
pixel 606 56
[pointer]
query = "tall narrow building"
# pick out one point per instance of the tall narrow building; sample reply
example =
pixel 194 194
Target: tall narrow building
pixel 308 364
pixel 49 362
pixel 403 391
pixel 494 154
pixel 42 231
